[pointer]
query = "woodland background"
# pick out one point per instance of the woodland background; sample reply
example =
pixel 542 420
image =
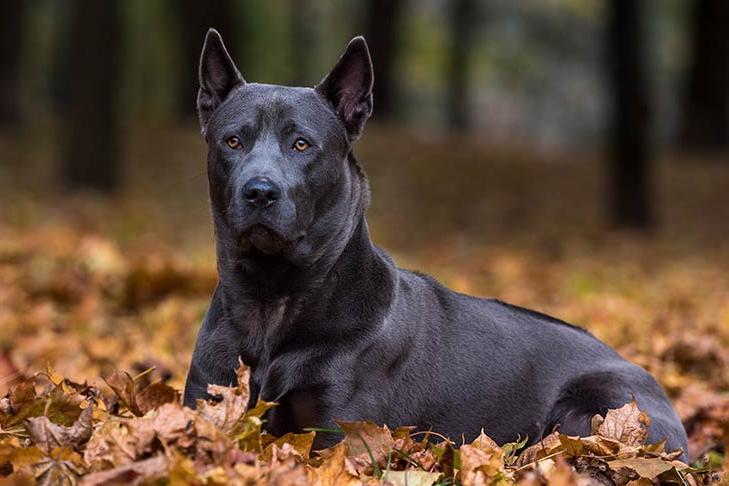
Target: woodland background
pixel 570 156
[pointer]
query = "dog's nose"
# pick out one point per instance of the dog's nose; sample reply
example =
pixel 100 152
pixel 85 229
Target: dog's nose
pixel 261 192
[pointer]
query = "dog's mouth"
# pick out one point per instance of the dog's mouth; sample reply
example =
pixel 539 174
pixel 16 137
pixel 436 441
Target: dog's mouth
pixel 263 239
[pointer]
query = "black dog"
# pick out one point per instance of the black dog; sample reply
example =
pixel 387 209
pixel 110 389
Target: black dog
pixel 330 327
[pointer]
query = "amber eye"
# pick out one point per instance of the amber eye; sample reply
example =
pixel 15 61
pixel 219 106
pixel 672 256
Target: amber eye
pixel 233 142
pixel 300 144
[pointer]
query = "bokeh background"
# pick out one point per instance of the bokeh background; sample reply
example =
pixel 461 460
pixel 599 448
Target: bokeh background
pixel 566 155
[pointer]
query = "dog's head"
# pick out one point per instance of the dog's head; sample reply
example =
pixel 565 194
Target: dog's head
pixel 281 178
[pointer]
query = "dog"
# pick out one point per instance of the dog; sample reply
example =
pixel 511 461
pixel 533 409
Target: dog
pixel 330 327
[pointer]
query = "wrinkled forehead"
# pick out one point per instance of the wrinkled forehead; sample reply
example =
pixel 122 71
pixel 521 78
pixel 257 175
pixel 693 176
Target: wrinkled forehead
pixel 268 107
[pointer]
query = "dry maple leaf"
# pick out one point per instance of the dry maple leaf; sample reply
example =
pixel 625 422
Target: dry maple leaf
pixel 562 474
pixel 299 444
pixel 61 467
pixel 122 441
pixel 593 445
pixel 133 473
pixel 481 466
pixel 226 413
pixel 367 442
pixel 545 447
pixel 288 473
pixel 336 470
pixel 411 477
pixel 627 424
pixel 122 384
pixel 47 435
pixel 648 468
pixel 156 395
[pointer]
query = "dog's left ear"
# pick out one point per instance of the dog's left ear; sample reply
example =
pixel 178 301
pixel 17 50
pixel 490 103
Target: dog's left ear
pixel 218 76
pixel 348 87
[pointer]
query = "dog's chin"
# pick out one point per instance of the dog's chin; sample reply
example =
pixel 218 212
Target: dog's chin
pixel 263 239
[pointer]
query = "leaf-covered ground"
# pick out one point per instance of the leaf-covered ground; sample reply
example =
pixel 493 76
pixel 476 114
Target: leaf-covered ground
pixel 100 301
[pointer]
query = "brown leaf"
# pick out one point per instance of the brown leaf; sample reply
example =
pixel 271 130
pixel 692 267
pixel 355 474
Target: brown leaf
pixel 48 435
pixel 156 395
pixel 300 444
pixel 122 384
pixel 123 441
pixel 640 482
pixel 649 468
pixel 289 473
pixel 482 462
pixel 226 413
pixel 593 445
pixel 562 474
pixel 485 443
pixel 412 477
pixel 628 425
pixel 22 458
pixel 336 470
pixel 365 438
pixel 147 469
pixel 545 447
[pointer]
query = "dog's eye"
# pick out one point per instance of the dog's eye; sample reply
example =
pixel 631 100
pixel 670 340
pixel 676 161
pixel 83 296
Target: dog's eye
pixel 300 144
pixel 233 142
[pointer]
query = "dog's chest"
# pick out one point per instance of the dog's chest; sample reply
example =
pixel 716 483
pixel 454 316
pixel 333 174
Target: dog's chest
pixel 261 326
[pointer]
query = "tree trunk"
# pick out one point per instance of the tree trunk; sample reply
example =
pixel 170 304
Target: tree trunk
pixel 304 42
pixel 629 174
pixel 194 18
pixel 382 24
pixel 463 20
pixel 11 23
pixel 90 151
pixel 705 122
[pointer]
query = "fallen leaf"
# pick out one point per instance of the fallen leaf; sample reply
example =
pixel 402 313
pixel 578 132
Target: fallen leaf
pixel 336 470
pixel 300 444
pixel 367 442
pixel 482 462
pixel 47 435
pixel 628 425
pixel 226 413
pixel 412 477
pixel 648 468
pixel 147 469
pixel 545 447
pixel 122 384
pixel 156 395
pixel 562 474
pixel 594 445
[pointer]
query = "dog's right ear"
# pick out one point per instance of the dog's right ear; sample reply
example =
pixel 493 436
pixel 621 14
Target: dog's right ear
pixel 218 76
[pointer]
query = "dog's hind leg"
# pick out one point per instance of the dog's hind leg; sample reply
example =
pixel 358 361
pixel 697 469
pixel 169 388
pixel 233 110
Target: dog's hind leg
pixel 596 393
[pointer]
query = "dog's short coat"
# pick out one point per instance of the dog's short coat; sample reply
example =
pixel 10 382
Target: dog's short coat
pixel 330 327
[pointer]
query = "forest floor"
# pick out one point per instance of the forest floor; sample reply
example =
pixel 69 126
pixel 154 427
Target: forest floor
pixel 90 285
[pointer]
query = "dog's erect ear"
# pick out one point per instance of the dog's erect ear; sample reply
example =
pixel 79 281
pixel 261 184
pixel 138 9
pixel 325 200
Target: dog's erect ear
pixel 348 87
pixel 218 76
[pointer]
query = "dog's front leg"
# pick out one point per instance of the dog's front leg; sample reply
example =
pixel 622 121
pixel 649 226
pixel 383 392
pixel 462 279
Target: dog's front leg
pixel 215 357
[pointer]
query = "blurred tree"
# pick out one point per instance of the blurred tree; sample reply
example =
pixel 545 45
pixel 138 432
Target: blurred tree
pixel 463 18
pixel 60 75
pixel 90 157
pixel 381 30
pixel 11 23
pixel 705 123
pixel 629 174
pixel 303 16
pixel 194 18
